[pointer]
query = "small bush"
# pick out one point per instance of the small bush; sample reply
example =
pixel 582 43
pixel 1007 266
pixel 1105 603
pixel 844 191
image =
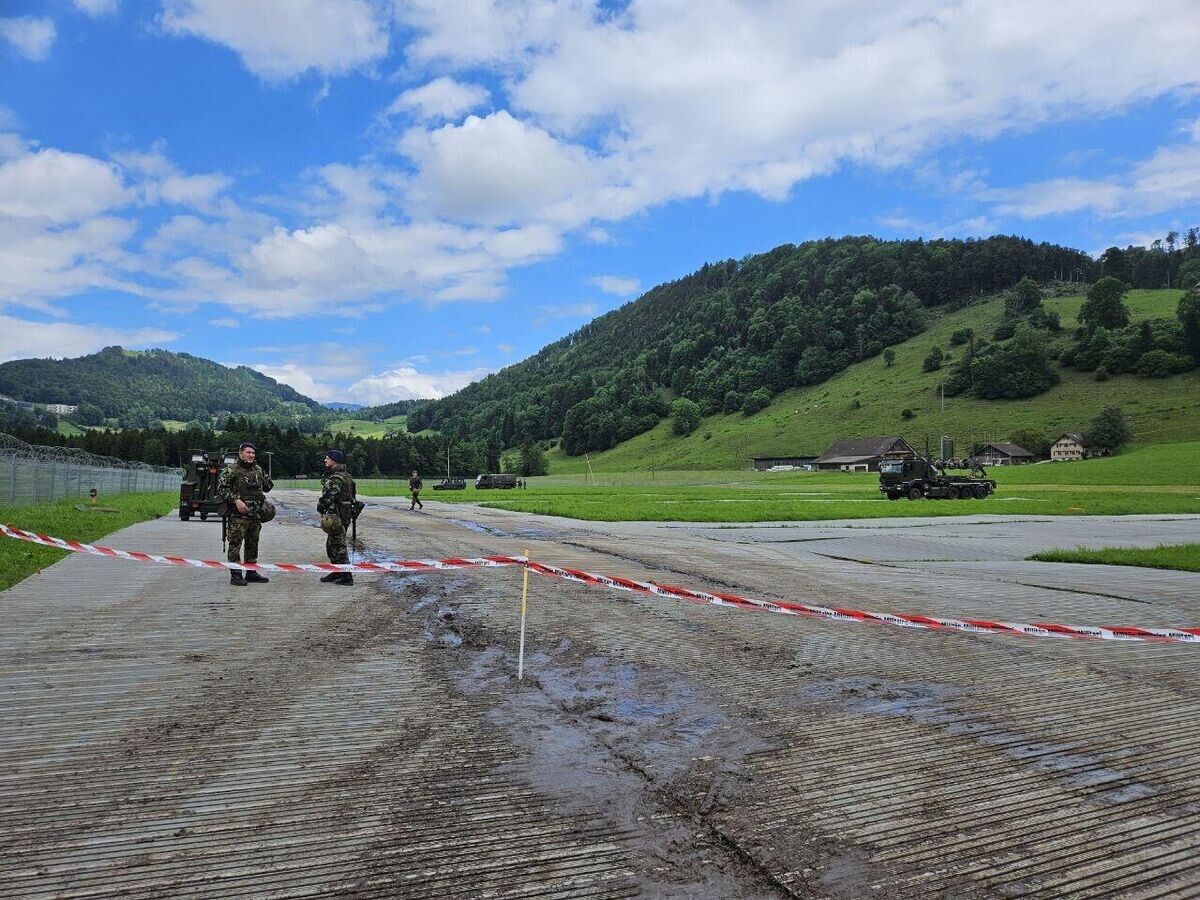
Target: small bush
pixel 907 413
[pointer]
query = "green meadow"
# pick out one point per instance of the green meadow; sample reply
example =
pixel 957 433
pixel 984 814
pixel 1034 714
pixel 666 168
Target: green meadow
pixel 1184 557
pixel 19 560
pixel 365 428
pixel 1156 478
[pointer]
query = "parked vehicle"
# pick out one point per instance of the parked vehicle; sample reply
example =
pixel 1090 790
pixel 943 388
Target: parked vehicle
pixel 451 484
pixel 483 482
pixel 919 478
pixel 198 492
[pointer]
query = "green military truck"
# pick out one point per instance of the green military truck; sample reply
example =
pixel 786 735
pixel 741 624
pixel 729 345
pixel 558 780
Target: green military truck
pixel 918 478
pixel 198 492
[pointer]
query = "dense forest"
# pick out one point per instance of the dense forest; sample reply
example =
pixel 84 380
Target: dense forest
pixel 132 388
pixel 292 453
pixel 734 333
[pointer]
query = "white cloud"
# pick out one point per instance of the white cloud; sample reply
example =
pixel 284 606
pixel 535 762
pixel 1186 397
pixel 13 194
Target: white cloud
pixel 549 311
pixel 96 7
pixel 30 36
pixel 1168 179
pixel 505 348
pixel 494 170
pixel 442 98
pixel 678 99
pixel 59 186
pixel 616 285
pixel 407 383
pixel 224 323
pixel 280 39
pixel 23 339
pixel 296 377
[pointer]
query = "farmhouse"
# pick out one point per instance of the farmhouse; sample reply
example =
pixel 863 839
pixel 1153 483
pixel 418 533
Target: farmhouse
pixel 863 454
pixel 763 463
pixel 1002 453
pixel 1069 446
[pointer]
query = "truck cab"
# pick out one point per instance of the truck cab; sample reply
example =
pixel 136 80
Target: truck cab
pixel 198 492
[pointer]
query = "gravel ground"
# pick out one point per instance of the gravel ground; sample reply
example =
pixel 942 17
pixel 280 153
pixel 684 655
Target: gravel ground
pixel 166 734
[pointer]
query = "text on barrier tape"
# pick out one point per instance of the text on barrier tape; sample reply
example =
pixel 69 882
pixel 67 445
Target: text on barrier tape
pixel 835 614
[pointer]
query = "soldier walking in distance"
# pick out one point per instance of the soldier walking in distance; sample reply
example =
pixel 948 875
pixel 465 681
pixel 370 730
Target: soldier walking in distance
pixel 414 485
pixel 336 506
pixel 243 487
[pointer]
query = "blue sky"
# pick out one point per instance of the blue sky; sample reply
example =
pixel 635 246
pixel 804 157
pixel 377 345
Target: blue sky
pixel 380 199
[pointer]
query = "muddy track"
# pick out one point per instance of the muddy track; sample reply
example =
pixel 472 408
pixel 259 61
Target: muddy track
pixel 165 734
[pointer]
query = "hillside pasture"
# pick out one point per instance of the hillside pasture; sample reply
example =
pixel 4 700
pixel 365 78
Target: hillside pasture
pixel 869 398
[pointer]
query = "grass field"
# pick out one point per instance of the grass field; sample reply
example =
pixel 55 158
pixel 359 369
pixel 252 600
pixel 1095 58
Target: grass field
pixel 365 428
pixel 66 429
pixel 1185 557
pixel 867 398
pixel 19 560
pixel 1160 478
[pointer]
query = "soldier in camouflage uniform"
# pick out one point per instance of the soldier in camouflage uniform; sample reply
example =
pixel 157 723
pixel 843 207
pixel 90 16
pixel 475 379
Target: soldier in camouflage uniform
pixel 334 506
pixel 243 487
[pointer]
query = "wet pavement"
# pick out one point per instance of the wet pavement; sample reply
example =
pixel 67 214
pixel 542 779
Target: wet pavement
pixel 166 734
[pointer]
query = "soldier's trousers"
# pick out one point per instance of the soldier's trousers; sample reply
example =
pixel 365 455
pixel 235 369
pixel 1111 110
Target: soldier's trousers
pixel 242 531
pixel 335 538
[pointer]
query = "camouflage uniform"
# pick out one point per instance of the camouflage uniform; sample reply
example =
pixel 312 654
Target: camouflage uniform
pixel 414 485
pixel 337 492
pixel 249 483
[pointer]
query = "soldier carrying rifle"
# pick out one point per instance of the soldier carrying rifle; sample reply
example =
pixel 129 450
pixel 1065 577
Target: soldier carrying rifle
pixel 243 486
pixel 339 508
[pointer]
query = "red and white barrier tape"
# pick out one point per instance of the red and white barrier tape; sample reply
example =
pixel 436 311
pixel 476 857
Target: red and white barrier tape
pixel 836 614
pixel 397 565
pixel 971 626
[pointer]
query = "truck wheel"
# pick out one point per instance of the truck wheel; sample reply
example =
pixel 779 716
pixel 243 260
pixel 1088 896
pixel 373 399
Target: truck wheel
pixel 183 514
pixel 952 493
pixel 894 495
pixel 981 491
pixel 915 493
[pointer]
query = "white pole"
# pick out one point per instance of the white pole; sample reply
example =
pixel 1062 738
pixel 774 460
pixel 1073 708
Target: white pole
pixel 524 606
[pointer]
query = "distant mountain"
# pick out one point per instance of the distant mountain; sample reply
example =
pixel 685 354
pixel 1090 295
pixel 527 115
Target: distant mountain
pixel 135 386
pixel 344 407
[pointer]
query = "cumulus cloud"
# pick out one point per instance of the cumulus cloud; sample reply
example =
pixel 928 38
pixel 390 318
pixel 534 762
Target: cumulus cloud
pixel 30 36
pixel 297 377
pixel 59 186
pixel 96 7
pixel 1168 179
pixel 407 383
pixel 677 99
pixel 442 98
pixel 495 170
pixel 280 39
pixel 22 339
pixel 616 285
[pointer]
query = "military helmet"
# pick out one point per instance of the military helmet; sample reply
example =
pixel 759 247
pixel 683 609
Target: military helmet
pixel 267 513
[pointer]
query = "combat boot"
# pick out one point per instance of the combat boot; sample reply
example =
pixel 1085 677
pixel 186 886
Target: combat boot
pixel 346 578
pixel 238 577
pixel 256 577
pixel 332 577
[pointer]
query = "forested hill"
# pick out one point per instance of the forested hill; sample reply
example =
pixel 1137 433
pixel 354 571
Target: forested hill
pixel 737 332
pixel 132 386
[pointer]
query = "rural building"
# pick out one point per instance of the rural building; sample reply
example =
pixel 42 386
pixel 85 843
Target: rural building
pixel 1002 453
pixel 863 454
pixel 762 463
pixel 1069 446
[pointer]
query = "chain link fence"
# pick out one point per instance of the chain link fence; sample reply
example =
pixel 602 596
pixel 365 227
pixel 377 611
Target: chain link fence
pixel 33 474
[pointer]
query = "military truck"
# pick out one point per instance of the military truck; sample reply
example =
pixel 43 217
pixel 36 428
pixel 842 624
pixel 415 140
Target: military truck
pixel 451 484
pixel 198 492
pixel 920 478
pixel 495 481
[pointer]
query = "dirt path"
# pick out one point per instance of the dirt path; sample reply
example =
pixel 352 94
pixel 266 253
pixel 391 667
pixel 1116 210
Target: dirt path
pixel 164 734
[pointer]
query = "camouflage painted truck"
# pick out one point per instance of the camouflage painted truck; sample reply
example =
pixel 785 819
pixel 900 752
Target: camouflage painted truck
pixel 919 478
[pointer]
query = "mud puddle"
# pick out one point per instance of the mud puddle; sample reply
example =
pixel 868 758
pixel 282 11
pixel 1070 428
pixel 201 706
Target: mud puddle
pixel 637 747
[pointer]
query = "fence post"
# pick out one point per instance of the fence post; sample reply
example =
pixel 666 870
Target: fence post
pixel 12 483
pixel 53 470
